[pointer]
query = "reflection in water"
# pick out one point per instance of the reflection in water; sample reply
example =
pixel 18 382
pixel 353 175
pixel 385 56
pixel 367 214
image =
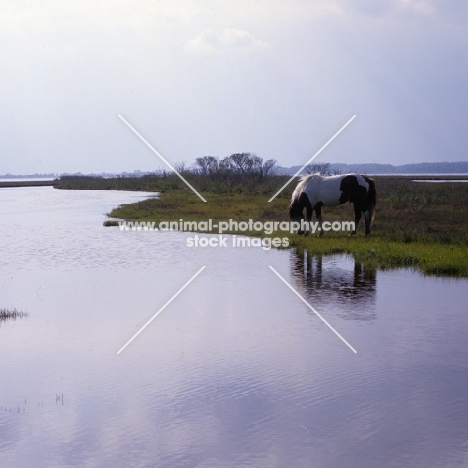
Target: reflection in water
pixel 337 282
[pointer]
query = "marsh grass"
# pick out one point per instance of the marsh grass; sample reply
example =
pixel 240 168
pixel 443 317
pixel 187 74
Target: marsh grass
pixel 111 222
pixel 418 225
pixel 220 183
pixel 179 204
pixel 428 258
pixel 11 314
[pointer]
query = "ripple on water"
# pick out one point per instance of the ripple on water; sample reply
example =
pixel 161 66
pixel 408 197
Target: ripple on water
pixel 236 371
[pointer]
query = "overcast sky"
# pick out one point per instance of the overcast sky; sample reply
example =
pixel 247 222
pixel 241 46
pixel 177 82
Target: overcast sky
pixel 196 78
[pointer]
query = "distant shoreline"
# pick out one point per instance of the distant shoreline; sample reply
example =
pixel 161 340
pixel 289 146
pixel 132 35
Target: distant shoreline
pixel 27 183
pixel 415 177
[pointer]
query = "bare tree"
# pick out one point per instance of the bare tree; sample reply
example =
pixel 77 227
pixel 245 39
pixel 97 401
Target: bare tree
pixel 254 164
pixel 239 162
pixel 269 167
pixel 181 167
pixel 207 164
pixel 318 168
pixel 245 163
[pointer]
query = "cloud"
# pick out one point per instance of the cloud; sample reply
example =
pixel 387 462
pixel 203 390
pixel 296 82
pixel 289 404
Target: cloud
pixel 211 41
pixel 418 6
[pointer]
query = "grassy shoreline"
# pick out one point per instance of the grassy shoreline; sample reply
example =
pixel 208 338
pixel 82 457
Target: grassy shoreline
pixel 418 225
pixel 429 259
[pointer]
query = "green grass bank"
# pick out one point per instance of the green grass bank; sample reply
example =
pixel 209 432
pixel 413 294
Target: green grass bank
pixel 419 225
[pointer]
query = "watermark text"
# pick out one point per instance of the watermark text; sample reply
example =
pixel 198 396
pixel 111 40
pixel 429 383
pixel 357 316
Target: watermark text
pixel 231 226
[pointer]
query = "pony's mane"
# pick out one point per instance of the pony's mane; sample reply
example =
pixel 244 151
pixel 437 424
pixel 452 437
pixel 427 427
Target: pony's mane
pixel 302 184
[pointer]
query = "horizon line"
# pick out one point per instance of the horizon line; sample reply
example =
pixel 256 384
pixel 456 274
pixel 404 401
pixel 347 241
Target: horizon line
pixel 136 171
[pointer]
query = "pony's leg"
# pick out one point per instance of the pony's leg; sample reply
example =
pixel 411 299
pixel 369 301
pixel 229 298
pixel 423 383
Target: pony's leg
pixel 309 212
pixel 318 212
pixel 367 221
pixel 357 217
pixel 300 231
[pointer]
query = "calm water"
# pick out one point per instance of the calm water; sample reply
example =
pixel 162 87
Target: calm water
pixel 237 371
pixel 432 181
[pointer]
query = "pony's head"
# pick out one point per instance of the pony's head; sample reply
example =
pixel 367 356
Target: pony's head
pixel 299 200
pixel 295 210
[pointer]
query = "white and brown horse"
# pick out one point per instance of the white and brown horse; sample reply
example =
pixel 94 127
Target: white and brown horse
pixel 315 191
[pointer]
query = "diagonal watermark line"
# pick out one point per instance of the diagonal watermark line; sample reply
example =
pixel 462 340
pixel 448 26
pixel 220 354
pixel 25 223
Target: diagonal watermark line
pixel 312 158
pixel 312 309
pixel 164 160
pixel 161 309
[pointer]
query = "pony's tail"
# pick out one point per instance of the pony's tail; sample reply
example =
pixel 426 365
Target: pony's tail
pixel 371 198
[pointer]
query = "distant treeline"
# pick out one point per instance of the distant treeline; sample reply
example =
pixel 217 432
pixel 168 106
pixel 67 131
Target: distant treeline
pixel 238 173
pixel 376 168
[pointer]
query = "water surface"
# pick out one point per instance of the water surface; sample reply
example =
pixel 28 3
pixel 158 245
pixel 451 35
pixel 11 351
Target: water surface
pixel 236 372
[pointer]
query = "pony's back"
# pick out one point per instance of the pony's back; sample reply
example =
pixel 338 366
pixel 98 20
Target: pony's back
pixel 301 186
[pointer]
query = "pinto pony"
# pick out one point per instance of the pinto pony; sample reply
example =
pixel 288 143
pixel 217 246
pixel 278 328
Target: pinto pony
pixel 315 191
